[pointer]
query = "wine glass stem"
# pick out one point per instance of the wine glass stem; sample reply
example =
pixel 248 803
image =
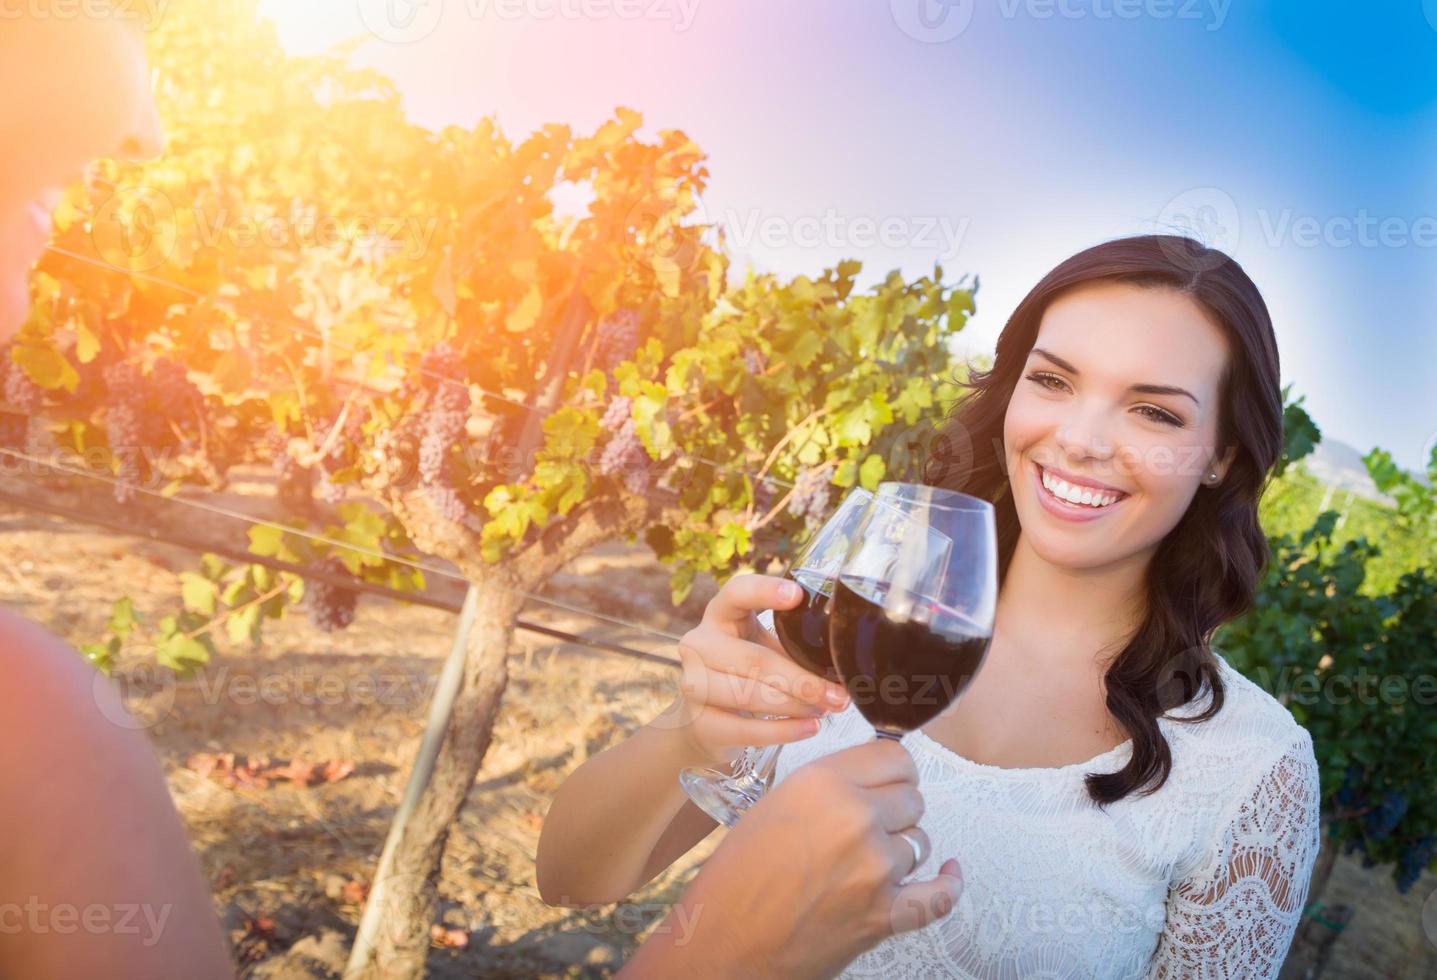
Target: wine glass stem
pixel 891 736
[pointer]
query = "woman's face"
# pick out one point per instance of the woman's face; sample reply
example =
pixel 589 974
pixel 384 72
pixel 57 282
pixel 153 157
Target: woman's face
pixel 72 88
pixel 1079 413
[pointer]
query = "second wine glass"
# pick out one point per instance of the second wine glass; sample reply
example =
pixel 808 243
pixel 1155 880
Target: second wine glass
pixel 803 632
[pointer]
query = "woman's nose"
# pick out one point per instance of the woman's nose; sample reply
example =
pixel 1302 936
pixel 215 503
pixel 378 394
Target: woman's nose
pixel 1082 437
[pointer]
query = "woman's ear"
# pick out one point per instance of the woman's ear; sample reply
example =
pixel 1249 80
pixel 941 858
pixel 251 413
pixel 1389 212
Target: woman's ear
pixel 1219 467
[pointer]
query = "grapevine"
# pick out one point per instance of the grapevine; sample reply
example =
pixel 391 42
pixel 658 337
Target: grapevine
pixel 624 456
pixel 331 608
pixel 618 338
pixel 126 426
pixel 810 498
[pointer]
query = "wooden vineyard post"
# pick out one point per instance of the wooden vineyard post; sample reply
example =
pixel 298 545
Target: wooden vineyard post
pixel 440 709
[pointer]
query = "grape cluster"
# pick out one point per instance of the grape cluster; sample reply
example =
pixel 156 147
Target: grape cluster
pixel 294 484
pixel 753 361
pixel 624 456
pixel 396 449
pixel 126 425
pixel 762 496
pixel 445 418
pixel 331 607
pixel 618 338
pixel 20 393
pixel 1382 819
pixel 1414 860
pixel 440 361
pixel 1379 824
pixel 170 384
pixel 341 453
pixel 1351 782
pixel 810 498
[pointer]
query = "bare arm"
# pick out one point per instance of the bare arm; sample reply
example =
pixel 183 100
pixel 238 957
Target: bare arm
pixel 620 819
pixel 96 869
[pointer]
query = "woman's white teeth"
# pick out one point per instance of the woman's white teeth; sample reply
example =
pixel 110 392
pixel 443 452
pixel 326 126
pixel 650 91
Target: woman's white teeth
pixel 1077 495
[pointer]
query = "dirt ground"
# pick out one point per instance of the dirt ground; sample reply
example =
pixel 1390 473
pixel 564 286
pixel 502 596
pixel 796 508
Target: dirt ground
pixel 287 864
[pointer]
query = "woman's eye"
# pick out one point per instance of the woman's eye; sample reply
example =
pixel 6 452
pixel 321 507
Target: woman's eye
pixel 1042 379
pixel 1167 418
pixel 1051 382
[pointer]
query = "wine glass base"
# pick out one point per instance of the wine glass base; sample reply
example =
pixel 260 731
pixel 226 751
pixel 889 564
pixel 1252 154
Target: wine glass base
pixel 718 794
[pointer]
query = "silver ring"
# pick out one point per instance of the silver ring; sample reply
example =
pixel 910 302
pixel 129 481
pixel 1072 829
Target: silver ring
pixel 920 848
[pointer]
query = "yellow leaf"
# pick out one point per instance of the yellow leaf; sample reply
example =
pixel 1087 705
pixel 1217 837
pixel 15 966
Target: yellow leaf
pixel 523 316
pixel 47 367
pixel 232 372
pixel 669 274
pixel 87 344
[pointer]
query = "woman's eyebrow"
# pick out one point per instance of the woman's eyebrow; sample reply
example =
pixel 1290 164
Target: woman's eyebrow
pixel 1146 389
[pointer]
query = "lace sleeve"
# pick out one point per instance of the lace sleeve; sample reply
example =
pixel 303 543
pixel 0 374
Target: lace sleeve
pixel 1235 916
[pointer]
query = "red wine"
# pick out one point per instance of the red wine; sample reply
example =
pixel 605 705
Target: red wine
pixel 803 630
pixel 903 662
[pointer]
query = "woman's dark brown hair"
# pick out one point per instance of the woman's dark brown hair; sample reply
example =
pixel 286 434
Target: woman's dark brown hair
pixel 1205 570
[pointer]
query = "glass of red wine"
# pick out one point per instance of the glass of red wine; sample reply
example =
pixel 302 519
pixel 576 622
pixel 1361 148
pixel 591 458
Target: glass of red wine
pixel 912 612
pixel 803 632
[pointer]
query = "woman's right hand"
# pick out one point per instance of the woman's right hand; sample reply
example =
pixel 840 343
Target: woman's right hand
pixel 811 877
pixel 731 664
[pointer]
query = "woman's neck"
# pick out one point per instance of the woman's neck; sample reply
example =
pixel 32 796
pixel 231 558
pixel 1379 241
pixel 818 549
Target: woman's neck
pixel 1069 617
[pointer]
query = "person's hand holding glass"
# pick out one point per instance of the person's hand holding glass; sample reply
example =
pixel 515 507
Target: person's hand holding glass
pixel 803 632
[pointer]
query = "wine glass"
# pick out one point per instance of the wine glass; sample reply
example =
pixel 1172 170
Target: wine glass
pixel 803 632
pixel 912 613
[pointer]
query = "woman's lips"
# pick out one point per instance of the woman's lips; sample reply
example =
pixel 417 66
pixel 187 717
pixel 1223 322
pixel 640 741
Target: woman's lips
pixel 1064 510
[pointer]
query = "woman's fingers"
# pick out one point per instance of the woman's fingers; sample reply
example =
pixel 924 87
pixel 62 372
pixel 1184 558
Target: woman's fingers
pixel 724 728
pixel 923 902
pixel 905 859
pixel 748 694
pixel 708 648
pixel 875 763
pixel 898 806
pixel 745 594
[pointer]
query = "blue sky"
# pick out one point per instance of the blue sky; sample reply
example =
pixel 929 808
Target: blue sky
pixel 1301 137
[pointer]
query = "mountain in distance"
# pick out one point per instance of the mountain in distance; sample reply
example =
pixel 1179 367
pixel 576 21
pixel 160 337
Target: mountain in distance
pixel 1339 465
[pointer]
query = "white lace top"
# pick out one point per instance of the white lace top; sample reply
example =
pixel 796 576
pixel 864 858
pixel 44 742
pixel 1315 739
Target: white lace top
pixel 1207 877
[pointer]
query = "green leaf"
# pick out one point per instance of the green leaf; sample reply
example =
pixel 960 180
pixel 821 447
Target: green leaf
pixel 197 593
pixel 265 540
pixel 182 653
pixel 681 582
pixel 526 314
pixel 872 472
pixel 243 624
pixel 123 617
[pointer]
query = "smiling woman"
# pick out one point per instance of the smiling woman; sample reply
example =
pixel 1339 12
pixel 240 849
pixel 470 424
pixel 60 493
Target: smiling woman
pixel 1123 802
